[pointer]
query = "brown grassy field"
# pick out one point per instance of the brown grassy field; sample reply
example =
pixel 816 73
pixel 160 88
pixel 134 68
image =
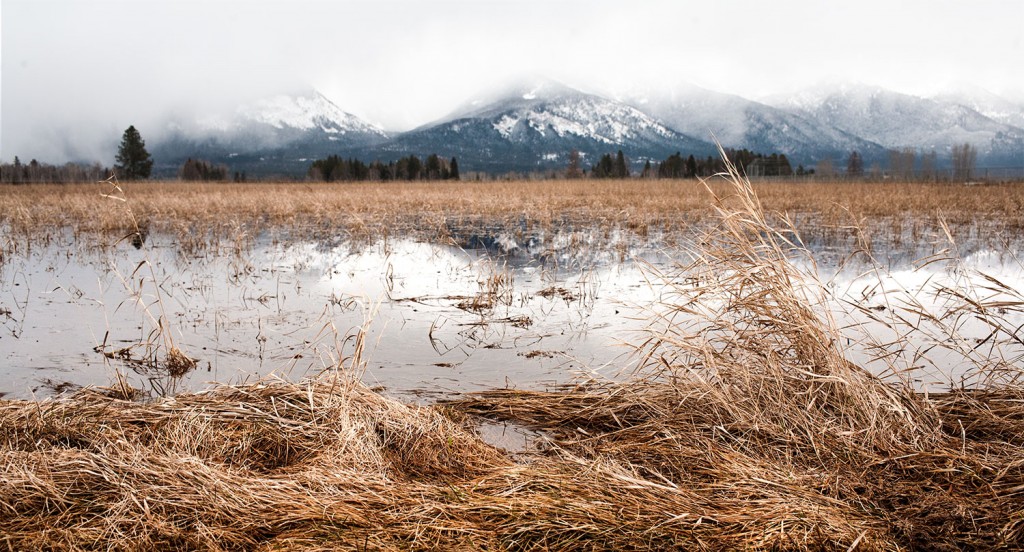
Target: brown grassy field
pixel 748 430
pixel 430 210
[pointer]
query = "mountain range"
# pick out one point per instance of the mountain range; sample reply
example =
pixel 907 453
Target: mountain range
pixel 531 126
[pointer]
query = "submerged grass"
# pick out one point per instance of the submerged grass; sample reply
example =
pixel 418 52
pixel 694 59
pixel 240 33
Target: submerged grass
pixel 746 426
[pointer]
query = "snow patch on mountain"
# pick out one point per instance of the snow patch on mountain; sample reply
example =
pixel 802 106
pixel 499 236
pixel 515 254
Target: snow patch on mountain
pixel 305 112
pixel 504 126
pixel 898 120
pixel 573 114
pixel 536 124
pixel 999 108
pixel 737 122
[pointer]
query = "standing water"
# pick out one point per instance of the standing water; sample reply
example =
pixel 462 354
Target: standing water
pixel 424 320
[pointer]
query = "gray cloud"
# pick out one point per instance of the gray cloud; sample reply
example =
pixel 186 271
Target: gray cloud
pixel 76 72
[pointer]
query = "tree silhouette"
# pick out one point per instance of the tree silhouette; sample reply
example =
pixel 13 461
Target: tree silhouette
pixel 854 165
pixel 963 157
pixel 574 165
pixel 133 161
pixel 620 170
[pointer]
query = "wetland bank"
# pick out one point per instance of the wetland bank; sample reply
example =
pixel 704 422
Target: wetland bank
pixel 778 365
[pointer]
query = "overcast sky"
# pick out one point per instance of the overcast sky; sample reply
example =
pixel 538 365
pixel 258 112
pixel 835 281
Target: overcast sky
pixel 75 73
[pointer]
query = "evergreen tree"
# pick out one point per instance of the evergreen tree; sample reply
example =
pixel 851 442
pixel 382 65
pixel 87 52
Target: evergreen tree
pixel 198 169
pixel 433 167
pixel 621 170
pixel 854 165
pixel 672 167
pixel 605 167
pixel 415 167
pixel 133 161
pixel 785 169
pixel 15 174
pixel 454 170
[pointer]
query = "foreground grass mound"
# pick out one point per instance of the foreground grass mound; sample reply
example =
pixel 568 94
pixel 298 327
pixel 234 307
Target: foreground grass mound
pixel 641 465
pixel 745 427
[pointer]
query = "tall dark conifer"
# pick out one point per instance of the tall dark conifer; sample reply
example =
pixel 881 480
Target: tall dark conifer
pixel 854 165
pixel 133 161
pixel 621 170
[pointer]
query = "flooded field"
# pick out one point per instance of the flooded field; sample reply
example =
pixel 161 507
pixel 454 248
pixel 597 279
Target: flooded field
pixel 358 367
pixel 426 320
pixel 439 319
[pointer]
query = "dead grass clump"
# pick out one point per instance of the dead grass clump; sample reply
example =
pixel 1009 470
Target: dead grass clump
pixel 747 408
pixel 496 289
pixel 236 467
pixel 558 291
pixel 177 364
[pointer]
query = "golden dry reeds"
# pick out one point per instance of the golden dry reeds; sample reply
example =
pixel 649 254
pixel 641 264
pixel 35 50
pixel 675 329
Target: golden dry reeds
pixel 204 215
pixel 747 402
pixel 746 427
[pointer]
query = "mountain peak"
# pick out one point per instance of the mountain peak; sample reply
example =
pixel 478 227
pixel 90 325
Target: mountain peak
pixel 308 110
pixel 522 90
pixel 531 122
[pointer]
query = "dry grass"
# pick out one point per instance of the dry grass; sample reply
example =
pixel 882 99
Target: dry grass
pixel 200 215
pixel 745 428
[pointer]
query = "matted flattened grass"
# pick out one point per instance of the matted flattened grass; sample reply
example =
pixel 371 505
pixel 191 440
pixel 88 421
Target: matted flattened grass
pixel 745 427
pixel 646 465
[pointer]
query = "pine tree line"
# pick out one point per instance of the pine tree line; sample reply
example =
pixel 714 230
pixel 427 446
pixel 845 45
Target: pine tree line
pixel 677 166
pixel 608 168
pixel 748 163
pixel 337 169
pixel 200 170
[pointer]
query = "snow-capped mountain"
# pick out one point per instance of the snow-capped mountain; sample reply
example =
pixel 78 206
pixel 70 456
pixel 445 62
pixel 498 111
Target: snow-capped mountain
pixel 311 112
pixel 737 122
pixel 994 106
pixel 896 120
pixel 534 125
pixel 281 132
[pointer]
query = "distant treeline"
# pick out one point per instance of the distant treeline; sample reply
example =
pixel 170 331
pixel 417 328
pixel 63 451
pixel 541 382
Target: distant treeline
pixel 337 169
pixel 200 170
pixel 608 168
pixel 41 173
pixel 747 163
pixel 34 171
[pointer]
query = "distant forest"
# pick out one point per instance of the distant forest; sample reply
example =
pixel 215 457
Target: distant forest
pixel 34 171
pixel 903 165
pixel 337 169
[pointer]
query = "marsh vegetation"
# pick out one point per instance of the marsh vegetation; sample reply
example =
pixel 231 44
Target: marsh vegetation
pixel 784 365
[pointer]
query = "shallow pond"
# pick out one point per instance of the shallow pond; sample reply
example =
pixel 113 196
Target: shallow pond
pixel 438 319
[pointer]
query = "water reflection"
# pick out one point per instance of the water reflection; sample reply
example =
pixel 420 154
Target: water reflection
pixel 470 315
pixel 442 317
